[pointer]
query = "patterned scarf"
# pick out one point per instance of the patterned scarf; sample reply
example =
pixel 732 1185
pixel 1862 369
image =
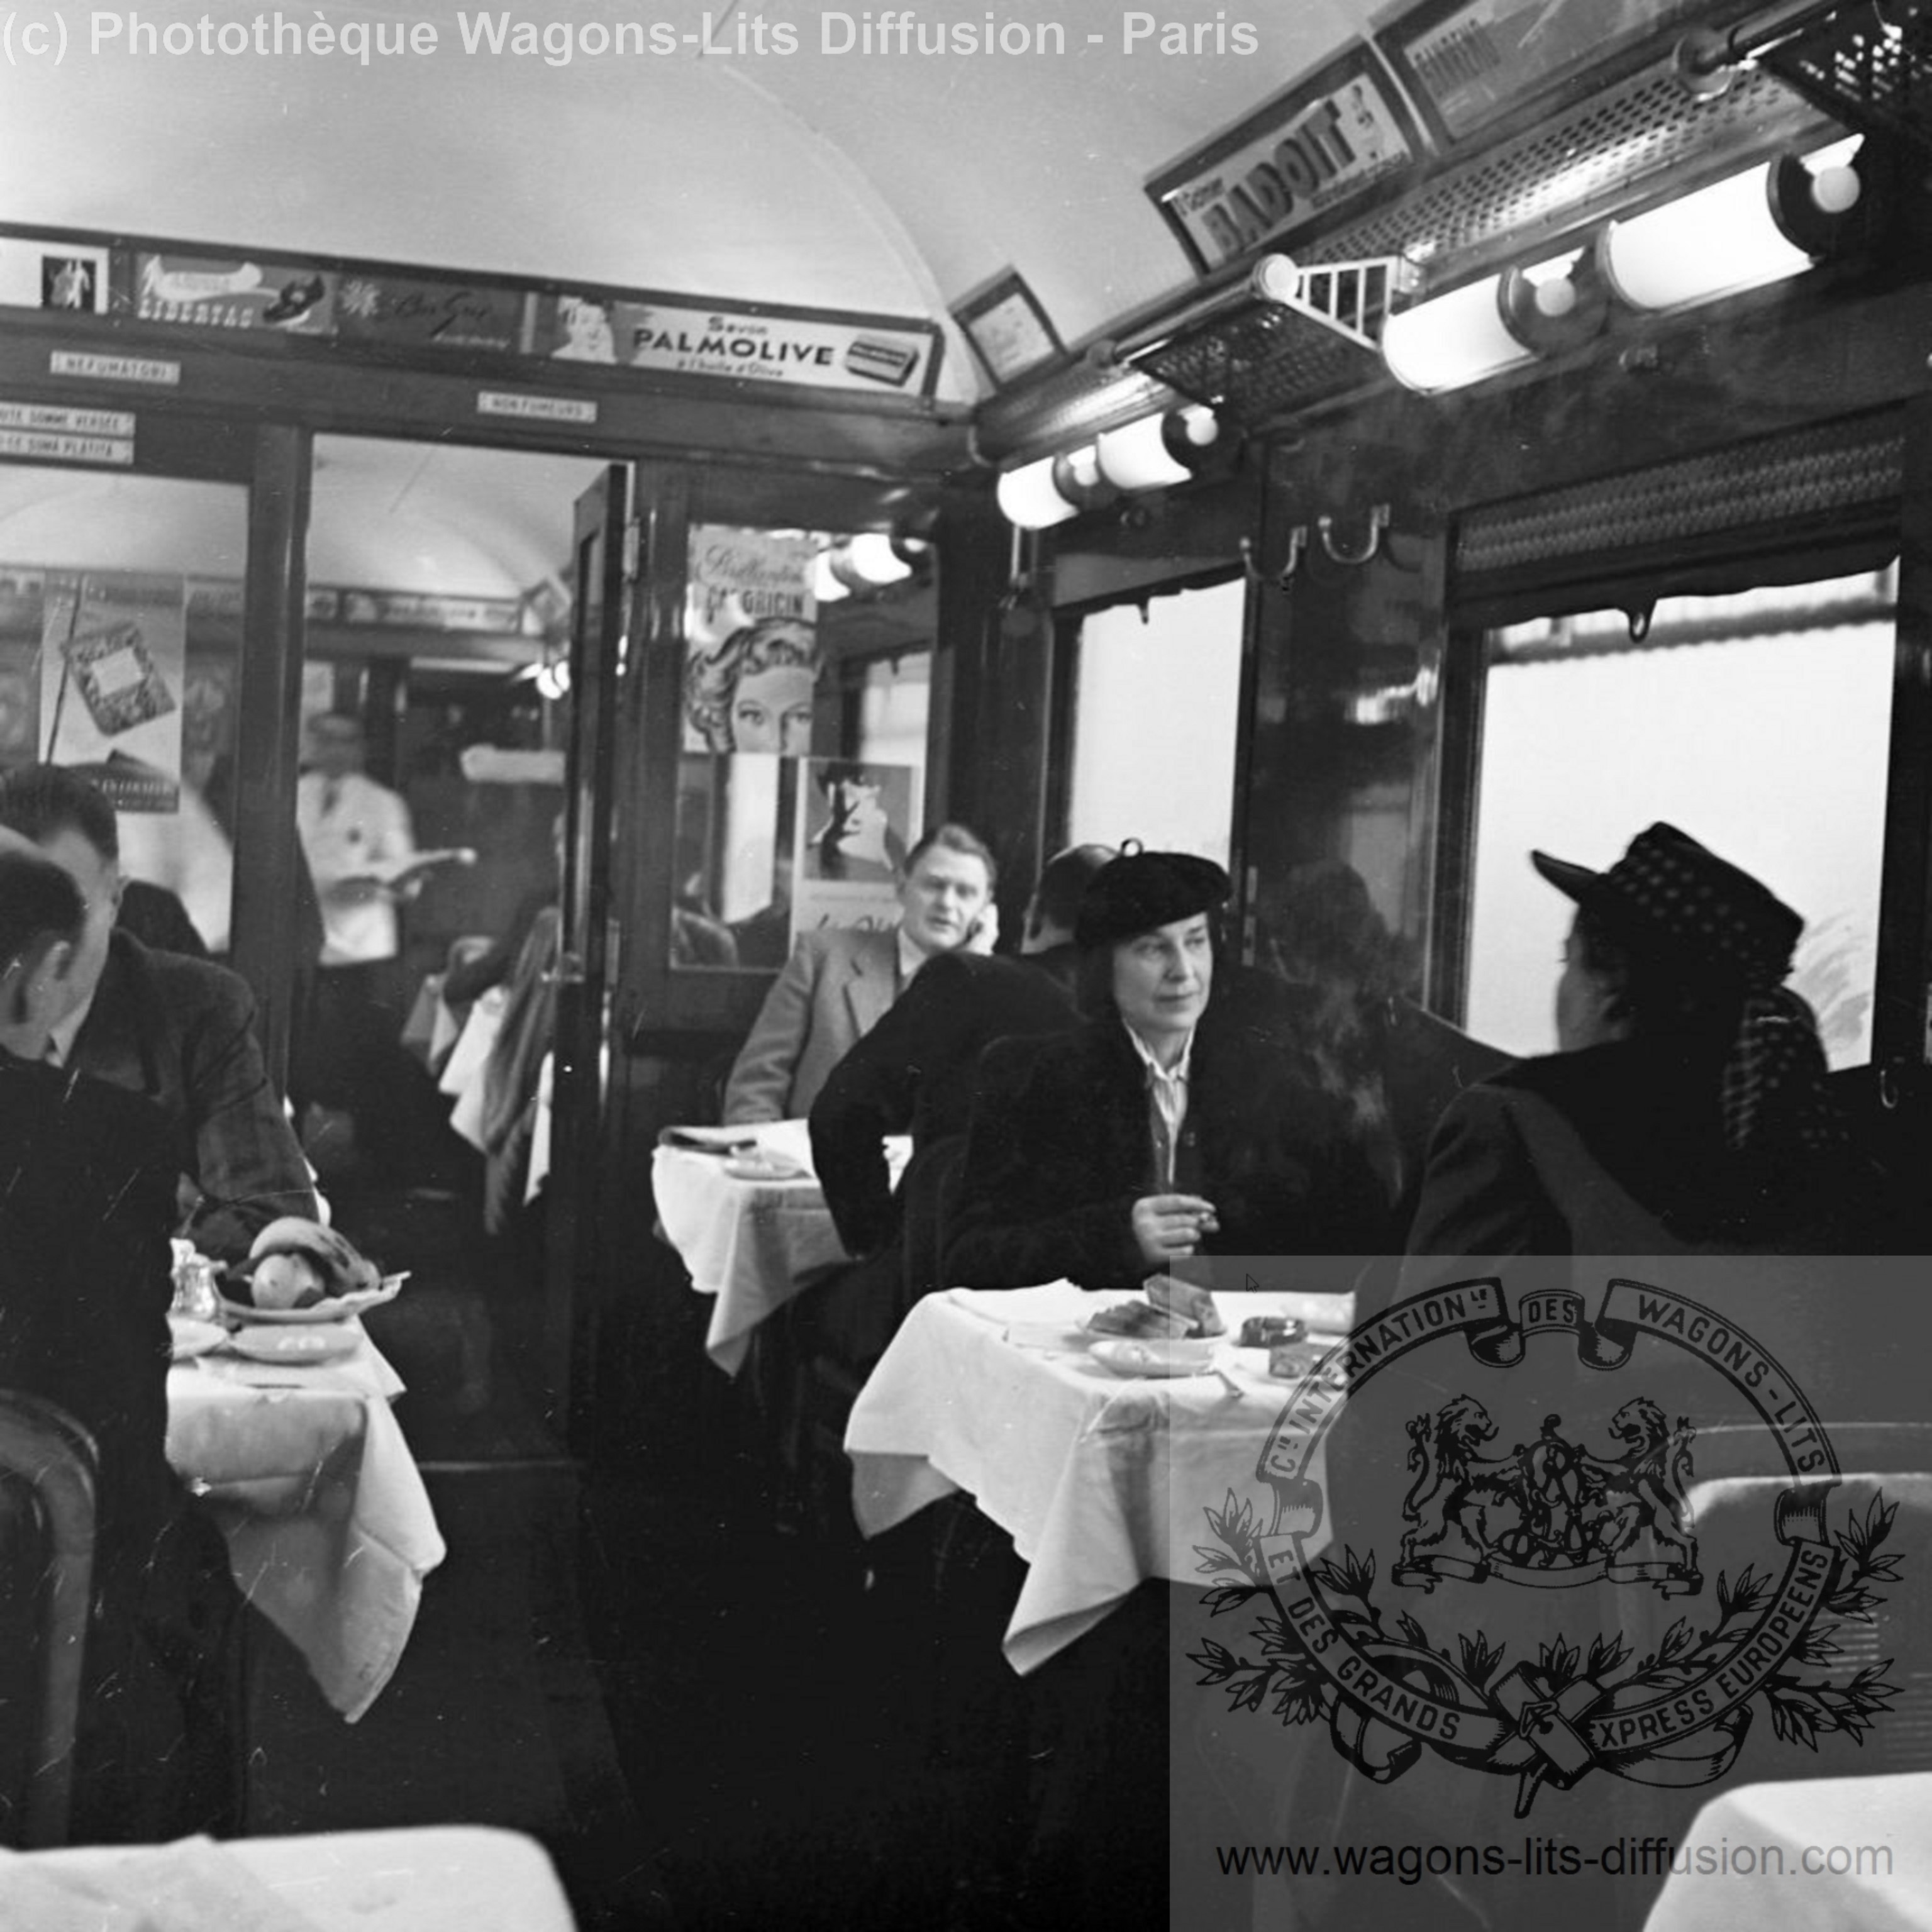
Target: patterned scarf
pixel 1773 1089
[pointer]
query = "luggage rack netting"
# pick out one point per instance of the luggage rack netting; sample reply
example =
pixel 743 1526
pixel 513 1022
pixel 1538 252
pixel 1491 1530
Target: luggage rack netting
pixel 1869 65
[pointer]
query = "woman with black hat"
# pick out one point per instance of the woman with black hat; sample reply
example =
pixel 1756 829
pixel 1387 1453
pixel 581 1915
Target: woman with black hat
pixel 1686 1108
pixel 1171 1123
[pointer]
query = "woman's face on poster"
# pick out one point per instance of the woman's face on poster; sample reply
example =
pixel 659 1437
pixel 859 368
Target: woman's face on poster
pixel 771 711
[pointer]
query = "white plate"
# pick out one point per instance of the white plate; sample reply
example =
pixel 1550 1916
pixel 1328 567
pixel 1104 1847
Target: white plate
pixel 764 1167
pixel 191 1337
pixel 338 1309
pixel 307 1344
pixel 1176 1355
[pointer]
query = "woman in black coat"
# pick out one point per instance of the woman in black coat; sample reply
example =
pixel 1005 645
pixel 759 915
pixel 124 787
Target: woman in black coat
pixel 1071 1170
pixel 1686 1110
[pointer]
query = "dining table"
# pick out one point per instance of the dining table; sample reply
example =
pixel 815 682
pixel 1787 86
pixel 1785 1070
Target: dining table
pixel 1102 1479
pixel 745 1212
pixel 1813 1855
pixel 330 1529
pixel 437 1878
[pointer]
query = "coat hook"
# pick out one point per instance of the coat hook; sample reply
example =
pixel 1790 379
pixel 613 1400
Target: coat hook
pixel 1298 542
pixel 1379 517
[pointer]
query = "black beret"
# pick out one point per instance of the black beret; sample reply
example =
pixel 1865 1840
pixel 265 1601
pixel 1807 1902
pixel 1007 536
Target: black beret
pixel 1140 890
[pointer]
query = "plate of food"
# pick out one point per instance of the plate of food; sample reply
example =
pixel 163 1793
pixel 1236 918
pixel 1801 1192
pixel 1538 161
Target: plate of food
pixel 299 1272
pixel 190 1337
pixel 1157 1355
pixel 315 1342
pixel 1168 1310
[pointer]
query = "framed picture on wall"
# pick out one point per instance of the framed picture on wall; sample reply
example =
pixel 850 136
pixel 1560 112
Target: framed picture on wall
pixel 1010 331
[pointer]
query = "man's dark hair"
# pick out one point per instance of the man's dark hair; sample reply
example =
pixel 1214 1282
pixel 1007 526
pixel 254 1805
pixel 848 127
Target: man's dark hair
pixel 36 899
pixel 1063 881
pixel 40 802
pixel 957 838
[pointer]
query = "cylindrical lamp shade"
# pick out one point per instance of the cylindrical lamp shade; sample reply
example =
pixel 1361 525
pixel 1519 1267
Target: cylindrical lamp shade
pixel 1719 241
pixel 827 586
pixel 1028 496
pixel 1154 451
pixel 1455 339
pixel 872 557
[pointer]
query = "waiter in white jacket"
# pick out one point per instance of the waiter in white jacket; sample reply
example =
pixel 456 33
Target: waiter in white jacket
pixel 356 835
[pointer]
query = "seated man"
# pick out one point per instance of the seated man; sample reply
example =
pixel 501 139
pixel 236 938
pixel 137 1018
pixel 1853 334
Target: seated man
pixel 87 1194
pixel 181 1031
pixel 1167 1126
pixel 913 1073
pixel 839 981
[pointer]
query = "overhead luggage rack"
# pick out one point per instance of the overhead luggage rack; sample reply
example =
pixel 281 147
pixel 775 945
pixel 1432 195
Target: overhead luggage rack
pixel 1868 65
pixel 1310 336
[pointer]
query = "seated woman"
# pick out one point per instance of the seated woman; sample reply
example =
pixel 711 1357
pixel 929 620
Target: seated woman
pixel 1685 1109
pixel 1170 1123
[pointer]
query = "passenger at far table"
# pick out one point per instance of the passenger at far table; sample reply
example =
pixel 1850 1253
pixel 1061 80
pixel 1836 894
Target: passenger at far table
pixel 180 1031
pixel 1346 998
pixel 838 982
pixel 913 1072
pixel 1686 1108
pixel 86 1198
pixel 1173 1123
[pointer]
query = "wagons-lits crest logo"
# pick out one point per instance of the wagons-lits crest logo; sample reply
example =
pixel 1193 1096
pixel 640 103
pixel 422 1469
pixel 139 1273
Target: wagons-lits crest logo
pixel 1545 1508
pixel 1550 1514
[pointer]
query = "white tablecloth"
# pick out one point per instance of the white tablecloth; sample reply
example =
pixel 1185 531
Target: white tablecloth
pixel 753 1244
pixel 441 1878
pixel 1830 1819
pixel 329 1527
pixel 1101 1482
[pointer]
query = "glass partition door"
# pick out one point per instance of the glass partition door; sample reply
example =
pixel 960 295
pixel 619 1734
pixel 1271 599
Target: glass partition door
pixel 121 654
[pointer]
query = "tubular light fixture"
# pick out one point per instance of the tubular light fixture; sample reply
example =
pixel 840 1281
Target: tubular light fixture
pixel 1496 325
pixel 1030 497
pixel 827 587
pixel 1077 478
pixel 1159 449
pixel 876 560
pixel 1770 222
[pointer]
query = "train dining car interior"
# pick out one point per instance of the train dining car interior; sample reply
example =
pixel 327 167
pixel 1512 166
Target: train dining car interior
pixel 530 519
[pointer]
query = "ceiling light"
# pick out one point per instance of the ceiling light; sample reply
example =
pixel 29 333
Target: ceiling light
pixel 1159 449
pixel 827 586
pixel 1500 323
pixel 1030 498
pixel 1771 222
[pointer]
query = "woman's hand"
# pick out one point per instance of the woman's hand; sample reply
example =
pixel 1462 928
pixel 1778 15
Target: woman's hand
pixel 1167 1226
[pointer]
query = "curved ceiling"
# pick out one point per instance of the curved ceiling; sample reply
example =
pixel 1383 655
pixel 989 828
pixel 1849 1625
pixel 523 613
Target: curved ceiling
pixel 894 181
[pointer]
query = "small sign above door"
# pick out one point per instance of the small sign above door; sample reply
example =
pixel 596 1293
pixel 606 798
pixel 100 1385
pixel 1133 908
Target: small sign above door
pixel 66 436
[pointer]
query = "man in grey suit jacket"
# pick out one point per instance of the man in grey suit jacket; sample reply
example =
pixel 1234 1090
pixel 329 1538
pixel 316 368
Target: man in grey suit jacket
pixel 838 982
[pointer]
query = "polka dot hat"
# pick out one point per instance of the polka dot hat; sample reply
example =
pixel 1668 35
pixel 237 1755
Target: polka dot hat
pixel 1683 892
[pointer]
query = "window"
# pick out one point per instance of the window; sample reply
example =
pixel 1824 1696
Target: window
pixel 1156 704
pixel 1757 723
